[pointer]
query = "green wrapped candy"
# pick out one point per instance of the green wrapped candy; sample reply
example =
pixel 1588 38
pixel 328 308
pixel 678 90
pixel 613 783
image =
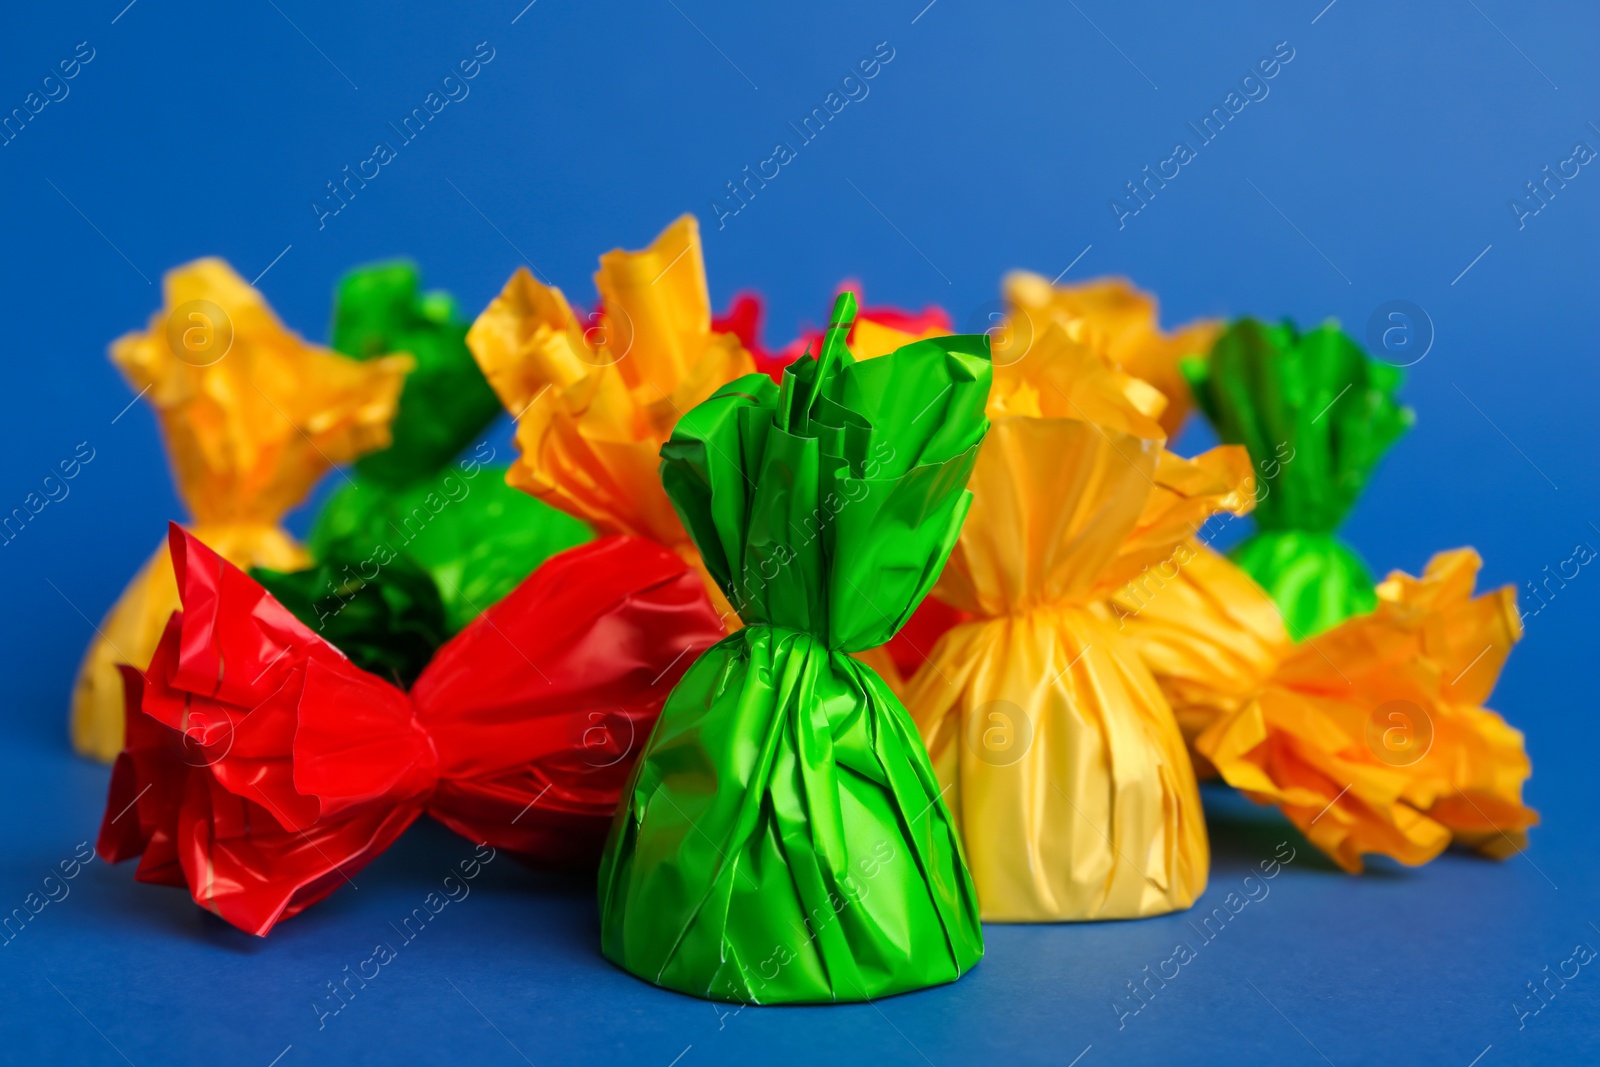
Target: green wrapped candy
pixel 446 401
pixel 387 617
pixel 1316 414
pixel 471 532
pixel 783 838
pixel 474 535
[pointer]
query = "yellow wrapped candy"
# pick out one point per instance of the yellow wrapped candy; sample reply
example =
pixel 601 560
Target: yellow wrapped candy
pixel 1372 737
pixel 595 399
pixel 1118 320
pixel 1060 756
pixel 253 417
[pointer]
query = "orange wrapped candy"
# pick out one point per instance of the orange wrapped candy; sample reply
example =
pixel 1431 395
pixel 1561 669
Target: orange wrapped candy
pixel 253 417
pixel 1211 636
pixel 1372 737
pixel 596 398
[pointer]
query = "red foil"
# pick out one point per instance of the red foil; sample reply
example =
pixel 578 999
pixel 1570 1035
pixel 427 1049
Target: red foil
pixel 744 315
pixel 262 769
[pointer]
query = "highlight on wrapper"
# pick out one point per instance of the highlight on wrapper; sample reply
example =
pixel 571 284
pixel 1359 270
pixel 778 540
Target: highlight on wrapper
pixel 833 340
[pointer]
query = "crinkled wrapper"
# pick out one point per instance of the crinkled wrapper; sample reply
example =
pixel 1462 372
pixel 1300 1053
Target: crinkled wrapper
pixel 1373 737
pixel 1316 414
pixel 783 839
pixel 1119 321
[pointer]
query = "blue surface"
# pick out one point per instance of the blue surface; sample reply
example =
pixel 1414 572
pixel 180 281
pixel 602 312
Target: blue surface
pixel 1394 141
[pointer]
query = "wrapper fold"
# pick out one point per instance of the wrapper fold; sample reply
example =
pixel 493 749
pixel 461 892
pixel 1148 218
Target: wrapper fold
pixel 783 838
pixel 253 416
pixel 877 331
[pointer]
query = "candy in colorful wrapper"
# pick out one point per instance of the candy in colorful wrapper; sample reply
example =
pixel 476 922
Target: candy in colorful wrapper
pixel 253 417
pixel 1060 756
pixel 1371 737
pixel 783 838
pixel 263 769
pixel 1317 414
pixel 476 537
pixel 595 399
pixel 1119 321
pixel 877 331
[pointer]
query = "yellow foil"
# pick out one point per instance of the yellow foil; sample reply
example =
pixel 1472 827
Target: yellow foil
pixel 253 416
pixel 1372 737
pixel 1119 320
pixel 595 398
pixel 1060 756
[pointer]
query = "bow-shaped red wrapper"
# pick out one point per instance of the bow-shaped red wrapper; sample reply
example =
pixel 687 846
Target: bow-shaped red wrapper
pixel 262 769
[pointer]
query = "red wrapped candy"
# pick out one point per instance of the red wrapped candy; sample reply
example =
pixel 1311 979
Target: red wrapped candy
pixel 262 769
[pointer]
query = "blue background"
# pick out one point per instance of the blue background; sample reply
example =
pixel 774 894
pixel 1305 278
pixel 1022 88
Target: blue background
pixel 1394 141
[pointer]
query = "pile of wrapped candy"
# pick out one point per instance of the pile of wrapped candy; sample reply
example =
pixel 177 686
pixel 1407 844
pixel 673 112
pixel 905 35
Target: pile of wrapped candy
pixel 818 656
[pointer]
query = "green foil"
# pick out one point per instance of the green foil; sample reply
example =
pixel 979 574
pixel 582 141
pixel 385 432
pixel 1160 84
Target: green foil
pixel 387 618
pixel 446 402
pixel 473 534
pixel 783 837
pixel 1316 414
pixel 456 520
